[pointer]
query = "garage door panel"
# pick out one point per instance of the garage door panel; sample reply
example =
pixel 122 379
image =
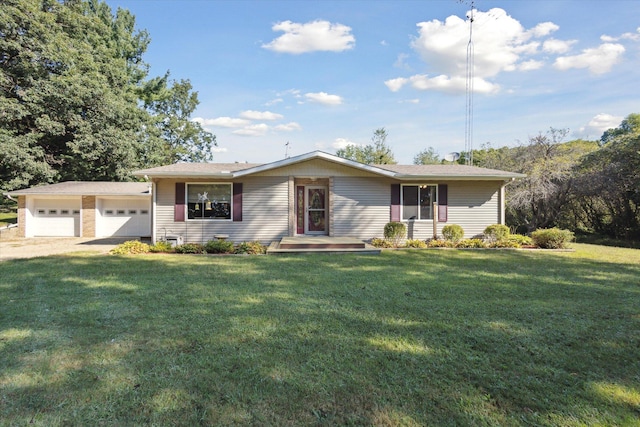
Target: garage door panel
pixel 56 218
pixel 125 217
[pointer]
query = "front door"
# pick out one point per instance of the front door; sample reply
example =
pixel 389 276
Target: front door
pixel 315 205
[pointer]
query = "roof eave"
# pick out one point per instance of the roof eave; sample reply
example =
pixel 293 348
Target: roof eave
pixel 310 156
pixel 408 177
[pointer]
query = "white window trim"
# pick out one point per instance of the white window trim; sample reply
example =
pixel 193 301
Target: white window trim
pixel 414 184
pixel 186 202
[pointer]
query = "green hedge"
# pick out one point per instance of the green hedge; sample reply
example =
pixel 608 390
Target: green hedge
pixel 552 238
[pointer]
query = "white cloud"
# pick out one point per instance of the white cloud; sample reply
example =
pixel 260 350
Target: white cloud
pixel 323 98
pixel 252 130
pixel 310 37
pixel 274 102
pixel 401 61
pixel 341 143
pixel 626 36
pixel 598 60
pixel 219 149
pixel 530 65
pixel 224 122
pixel 543 29
pixel 395 85
pixel 260 115
pixel 557 46
pixel 442 83
pixel 500 44
pixel 288 127
pixel 598 125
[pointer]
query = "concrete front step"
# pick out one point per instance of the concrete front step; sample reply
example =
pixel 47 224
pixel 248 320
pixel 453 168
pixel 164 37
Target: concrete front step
pixel 322 244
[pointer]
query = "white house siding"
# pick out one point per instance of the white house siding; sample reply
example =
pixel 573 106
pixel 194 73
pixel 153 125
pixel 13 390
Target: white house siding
pixel 473 205
pixel 317 168
pixel 361 206
pixel 264 213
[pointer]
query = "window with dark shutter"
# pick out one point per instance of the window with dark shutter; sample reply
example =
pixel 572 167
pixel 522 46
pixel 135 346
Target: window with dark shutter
pixel 237 201
pixel 395 202
pixel 178 212
pixel 442 202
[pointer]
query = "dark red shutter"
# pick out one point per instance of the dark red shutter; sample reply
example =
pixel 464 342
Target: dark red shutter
pixel 300 209
pixel 178 212
pixel 442 202
pixel 237 201
pixel 395 202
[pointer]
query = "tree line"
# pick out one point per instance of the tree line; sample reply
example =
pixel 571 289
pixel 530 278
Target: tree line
pixel 77 101
pixel 584 186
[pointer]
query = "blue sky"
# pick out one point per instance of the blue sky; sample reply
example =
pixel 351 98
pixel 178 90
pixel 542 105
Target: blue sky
pixel 322 74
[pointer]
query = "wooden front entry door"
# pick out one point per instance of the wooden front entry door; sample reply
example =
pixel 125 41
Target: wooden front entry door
pixel 315 207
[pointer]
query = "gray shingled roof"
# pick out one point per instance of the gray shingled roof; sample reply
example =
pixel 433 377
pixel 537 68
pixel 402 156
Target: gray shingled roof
pixel 400 172
pixel 194 169
pixel 88 188
pixel 452 170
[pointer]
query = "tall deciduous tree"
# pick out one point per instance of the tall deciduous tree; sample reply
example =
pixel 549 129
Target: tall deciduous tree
pixel 71 79
pixel 378 152
pixel 609 182
pixel 427 156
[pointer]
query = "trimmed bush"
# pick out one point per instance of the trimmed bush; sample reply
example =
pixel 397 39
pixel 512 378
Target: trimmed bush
pixel 395 232
pixel 161 246
pixel 439 243
pixel 190 248
pixel 381 243
pixel 471 244
pixel 552 238
pixel 130 247
pixel 251 248
pixel 505 243
pixel 453 232
pixel 415 243
pixel 496 232
pixel 219 247
pixel 520 239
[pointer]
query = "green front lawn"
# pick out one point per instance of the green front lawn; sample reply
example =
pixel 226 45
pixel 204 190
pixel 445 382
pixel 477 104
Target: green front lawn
pixel 404 338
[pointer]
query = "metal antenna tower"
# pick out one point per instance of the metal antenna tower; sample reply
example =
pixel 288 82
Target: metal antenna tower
pixel 468 125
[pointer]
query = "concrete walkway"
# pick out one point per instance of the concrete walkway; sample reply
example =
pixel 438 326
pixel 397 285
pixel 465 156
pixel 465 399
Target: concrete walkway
pixel 33 247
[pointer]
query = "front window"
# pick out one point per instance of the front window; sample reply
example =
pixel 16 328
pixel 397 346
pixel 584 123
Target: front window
pixel 417 201
pixel 209 201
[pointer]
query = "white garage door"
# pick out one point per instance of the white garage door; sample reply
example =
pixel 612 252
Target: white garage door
pixel 124 217
pixel 56 217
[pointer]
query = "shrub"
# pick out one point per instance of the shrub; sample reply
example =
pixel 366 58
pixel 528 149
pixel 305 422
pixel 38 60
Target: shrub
pixel 395 232
pixel 552 238
pixel 497 232
pixel 219 247
pixel 251 248
pixel 505 243
pixel 381 243
pixel 520 239
pixel 453 232
pixel 471 244
pixel 415 243
pixel 161 246
pixel 130 247
pixel 190 248
pixel 439 243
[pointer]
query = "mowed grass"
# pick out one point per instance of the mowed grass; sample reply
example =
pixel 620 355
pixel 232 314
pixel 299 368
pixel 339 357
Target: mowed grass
pixel 405 338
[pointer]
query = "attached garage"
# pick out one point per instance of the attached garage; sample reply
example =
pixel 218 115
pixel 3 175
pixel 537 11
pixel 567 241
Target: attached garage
pixel 85 209
pixel 123 217
pixel 56 217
